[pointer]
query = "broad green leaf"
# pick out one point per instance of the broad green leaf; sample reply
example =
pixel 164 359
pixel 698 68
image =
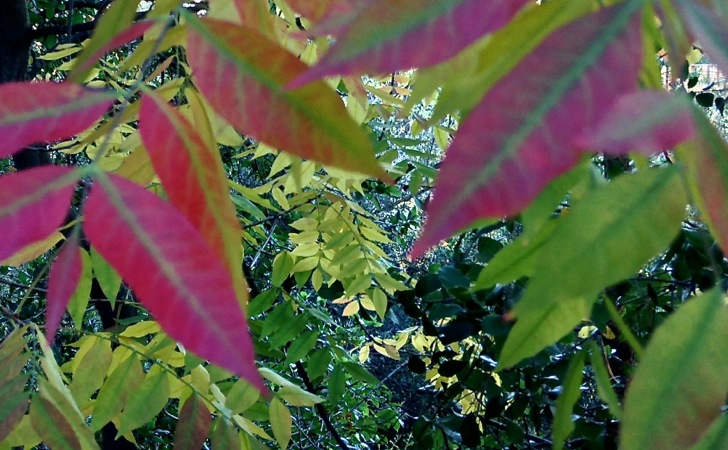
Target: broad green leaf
pixel 108 279
pixel 241 74
pixel 282 268
pixel 190 168
pixel 715 437
pixel 280 422
pixel 193 424
pixel 680 386
pixel 35 112
pixel 146 401
pixel 643 121
pixel 509 148
pixel 707 161
pixel 336 384
pixel 91 371
pixel 300 346
pixel 63 280
pixel 358 372
pixel 173 270
pixel 33 204
pixel 241 396
pixel 224 436
pixel 603 240
pixel 570 393
pixel 114 394
pixel 382 36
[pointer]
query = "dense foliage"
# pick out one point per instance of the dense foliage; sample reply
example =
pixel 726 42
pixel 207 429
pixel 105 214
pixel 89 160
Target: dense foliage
pixel 363 224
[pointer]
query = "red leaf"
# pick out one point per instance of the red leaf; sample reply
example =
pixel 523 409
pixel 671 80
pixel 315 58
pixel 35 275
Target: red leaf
pixel 193 425
pixel 175 273
pixel 520 137
pixel 314 9
pixel 33 204
pixel 62 283
pixel 644 121
pixel 39 112
pixel 192 175
pixel 242 74
pixel 385 35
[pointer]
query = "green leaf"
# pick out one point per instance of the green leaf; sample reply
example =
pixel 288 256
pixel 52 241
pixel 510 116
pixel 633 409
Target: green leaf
pixel 13 404
pixel 570 393
pixel 91 371
pixel 358 372
pixel 337 384
pixel 604 383
pixel 241 396
pixel 146 401
pixel 679 388
pixel 280 422
pixel 108 279
pixel 79 302
pixel 300 347
pixel 125 379
pixel 282 268
pixel 58 422
pixel 605 239
pixel 224 436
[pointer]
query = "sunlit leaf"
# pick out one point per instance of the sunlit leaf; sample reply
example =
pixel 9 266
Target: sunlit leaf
pixel 173 270
pixel 680 386
pixel 242 74
pixel 32 251
pixel 280 421
pixel 511 147
pixel 38 112
pixel 193 425
pixel 192 174
pixel 146 402
pixel 115 392
pixel 33 204
pixel 628 221
pixel 62 283
pixel 385 36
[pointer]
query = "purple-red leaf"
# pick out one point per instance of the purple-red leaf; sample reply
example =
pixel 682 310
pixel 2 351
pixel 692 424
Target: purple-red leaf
pixel 173 270
pixel 39 112
pixel 33 204
pixel 242 74
pixel 643 121
pixel 193 425
pixel 62 283
pixel 385 36
pixel 191 172
pixel 520 137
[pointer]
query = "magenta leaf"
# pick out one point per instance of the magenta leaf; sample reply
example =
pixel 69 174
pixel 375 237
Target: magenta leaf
pixel 62 283
pixel 520 137
pixel 33 204
pixel 385 36
pixel 39 112
pixel 173 270
pixel 643 121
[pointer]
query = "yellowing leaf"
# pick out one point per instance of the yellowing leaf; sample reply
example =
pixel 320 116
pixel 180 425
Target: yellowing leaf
pixel 280 421
pixel 351 309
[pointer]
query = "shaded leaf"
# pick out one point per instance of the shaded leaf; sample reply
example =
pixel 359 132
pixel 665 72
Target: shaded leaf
pixel 508 149
pixel 280 422
pixel 311 122
pixel 679 388
pixel 223 435
pixel 173 270
pixel 376 39
pixel 39 112
pixel 33 204
pixel 604 382
pixel 191 171
pixel 629 221
pixel 570 393
pixel 644 121
pixel 63 280
pixel 193 425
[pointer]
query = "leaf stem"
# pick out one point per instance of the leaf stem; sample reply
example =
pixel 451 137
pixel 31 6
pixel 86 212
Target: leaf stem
pixel 623 328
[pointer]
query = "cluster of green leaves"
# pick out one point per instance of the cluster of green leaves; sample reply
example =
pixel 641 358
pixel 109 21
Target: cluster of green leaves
pixel 214 145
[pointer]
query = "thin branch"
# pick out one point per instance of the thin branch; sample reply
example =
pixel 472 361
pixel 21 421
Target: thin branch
pixel 22 286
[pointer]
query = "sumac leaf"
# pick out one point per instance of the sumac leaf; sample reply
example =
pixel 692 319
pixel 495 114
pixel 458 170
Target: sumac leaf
pixel 62 282
pixel 173 270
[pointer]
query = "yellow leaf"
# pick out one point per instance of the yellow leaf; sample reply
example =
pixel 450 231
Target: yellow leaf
pixel 351 309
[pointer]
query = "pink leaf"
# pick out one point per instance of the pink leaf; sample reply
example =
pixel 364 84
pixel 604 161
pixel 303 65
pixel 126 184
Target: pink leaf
pixel 520 136
pixel 173 270
pixel 193 177
pixel 644 121
pixel 39 112
pixel 33 204
pixel 242 74
pixel 385 35
pixel 62 283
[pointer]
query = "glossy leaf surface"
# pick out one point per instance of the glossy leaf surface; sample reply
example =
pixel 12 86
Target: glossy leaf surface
pixel 39 112
pixel 174 271
pixel 509 148
pixel 242 74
